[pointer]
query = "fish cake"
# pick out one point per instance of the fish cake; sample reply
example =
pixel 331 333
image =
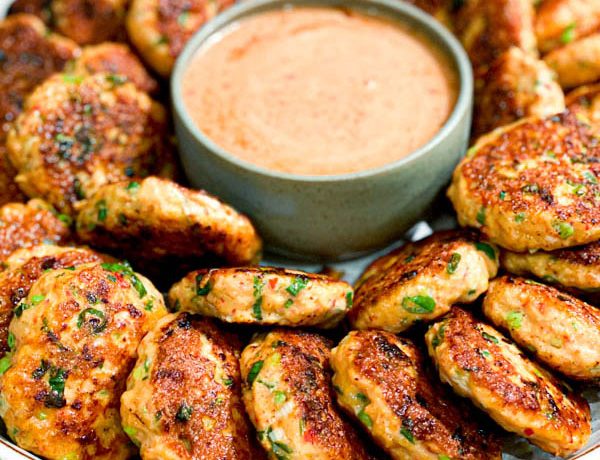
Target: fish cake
pixel 487 28
pixel 577 267
pixel 263 296
pixel 90 21
pixel 73 345
pixel 532 185
pixel 289 398
pixel 517 85
pixel 159 29
pixel 577 63
pixel 23 225
pixel 25 266
pixel 114 59
pixel 558 22
pixel 77 133
pixel 184 395
pixel 156 218
pixel 421 281
pixel 382 381
pixel 562 331
pixel 479 363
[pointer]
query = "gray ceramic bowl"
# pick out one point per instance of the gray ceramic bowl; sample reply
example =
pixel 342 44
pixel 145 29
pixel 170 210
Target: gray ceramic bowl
pixel 329 217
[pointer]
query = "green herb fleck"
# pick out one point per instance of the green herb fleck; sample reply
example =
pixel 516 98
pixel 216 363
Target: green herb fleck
pixel 116 79
pixel 102 210
pixel 75 79
pixel 502 195
pixel 453 264
pixel 132 186
pixel 514 319
pixel 19 309
pixel 258 285
pixel 5 363
pixel 288 303
pixel 184 413
pixel 520 217
pixel 407 434
pixel 568 34
pixel 95 319
pixel 487 249
pixel 349 299
pixel 10 340
pixel 564 229
pixel 299 283
pixel 125 270
pixel 481 215
pixel 418 305
pixel 490 338
pixel 279 397
pixel 254 371
pixel 365 419
pixel 202 291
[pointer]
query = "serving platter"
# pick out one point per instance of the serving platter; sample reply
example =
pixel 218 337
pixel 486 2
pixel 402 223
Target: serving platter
pixel 515 449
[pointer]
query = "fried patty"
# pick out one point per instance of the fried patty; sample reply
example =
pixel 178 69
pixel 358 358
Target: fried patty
pixel 558 22
pixel 532 185
pixel 184 395
pixel 421 281
pixel 23 225
pixel 289 398
pixel 39 8
pixel 77 133
pixel 577 267
pixel 89 21
pixel 481 364
pixel 381 380
pixel 154 218
pixel 114 59
pixel 159 29
pixel 29 53
pixel 517 85
pixel 74 340
pixel 585 100
pixel 562 331
pixel 487 28
pixel 263 296
pixel 25 267
pixel 576 63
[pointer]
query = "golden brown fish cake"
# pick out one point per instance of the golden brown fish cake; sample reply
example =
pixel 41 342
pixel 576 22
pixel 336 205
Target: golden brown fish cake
pixel 263 296
pixel 563 332
pixel 114 59
pixel 77 133
pixel 184 396
pixel 23 225
pixel 532 185
pixel 421 281
pixel 90 21
pixel 577 267
pixel 159 29
pixel 155 218
pixel 487 28
pixel 18 278
pixel 288 395
pixel 577 63
pixel 517 85
pixel 481 364
pixel 585 100
pixel 382 381
pixel 558 22
pixel 74 342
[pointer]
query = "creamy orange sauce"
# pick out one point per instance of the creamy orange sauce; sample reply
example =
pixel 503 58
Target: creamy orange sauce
pixel 319 91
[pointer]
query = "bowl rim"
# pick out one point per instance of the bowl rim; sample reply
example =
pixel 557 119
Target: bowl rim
pixel 402 11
